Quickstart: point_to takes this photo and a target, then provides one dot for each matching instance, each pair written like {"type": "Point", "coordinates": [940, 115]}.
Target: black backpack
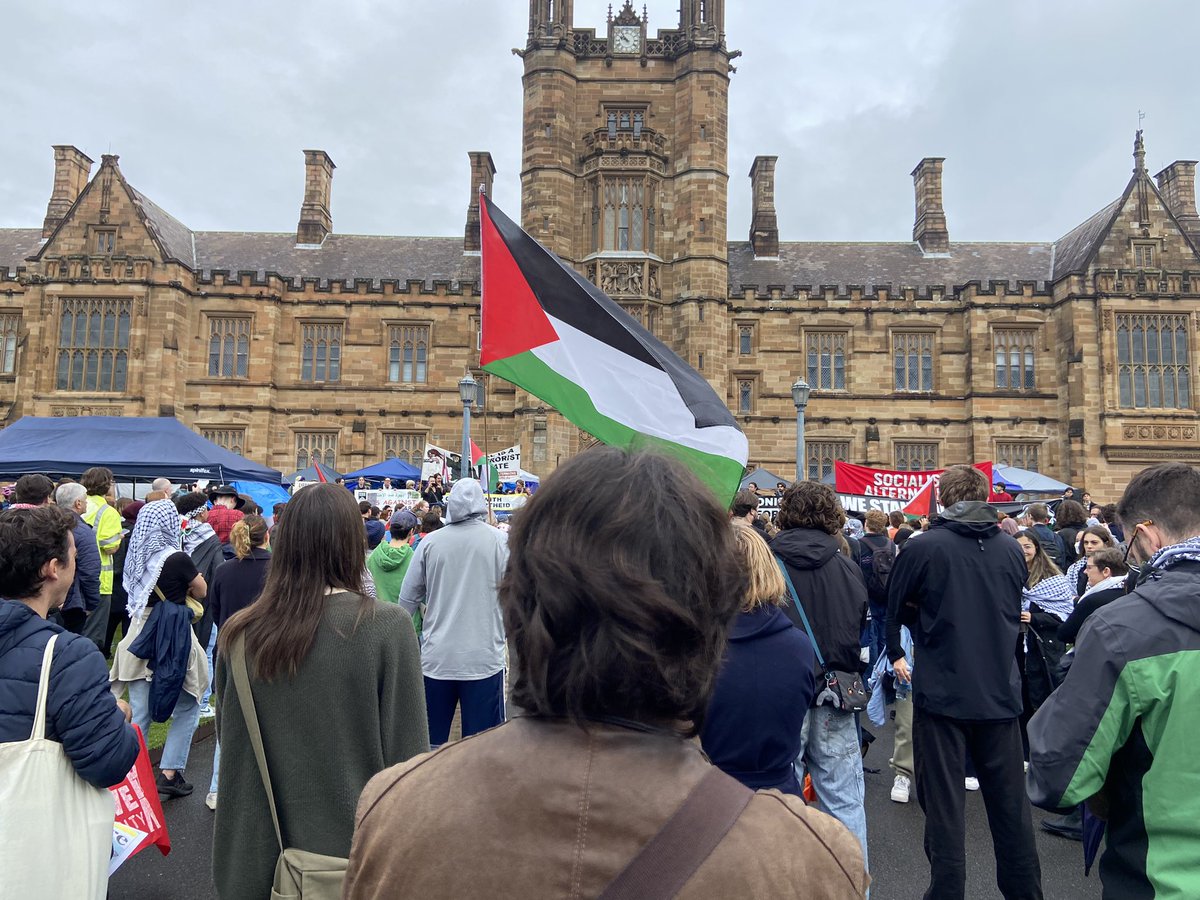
{"type": "Point", "coordinates": [1052, 544]}
{"type": "Point", "coordinates": [876, 564]}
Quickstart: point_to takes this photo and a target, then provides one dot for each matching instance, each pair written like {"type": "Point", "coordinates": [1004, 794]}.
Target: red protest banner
{"type": "Point", "coordinates": [854, 479]}
{"type": "Point", "coordinates": [138, 806]}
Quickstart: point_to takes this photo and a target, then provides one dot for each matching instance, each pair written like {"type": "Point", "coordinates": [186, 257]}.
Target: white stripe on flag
{"type": "Point", "coordinates": [634, 394]}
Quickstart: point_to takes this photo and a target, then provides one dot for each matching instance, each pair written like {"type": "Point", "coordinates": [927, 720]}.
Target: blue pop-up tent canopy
{"type": "Point", "coordinates": [396, 469]}
{"type": "Point", "coordinates": [131, 447]}
{"type": "Point", "coordinates": [265, 495]}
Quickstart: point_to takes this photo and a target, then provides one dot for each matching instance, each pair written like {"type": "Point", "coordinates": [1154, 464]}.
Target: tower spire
{"type": "Point", "coordinates": [550, 21]}
{"type": "Point", "coordinates": [1139, 172]}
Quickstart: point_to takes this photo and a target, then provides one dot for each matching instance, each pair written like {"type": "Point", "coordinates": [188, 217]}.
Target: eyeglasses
{"type": "Point", "coordinates": [1133, 537]}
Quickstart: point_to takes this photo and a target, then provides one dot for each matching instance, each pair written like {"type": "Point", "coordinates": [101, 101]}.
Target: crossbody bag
{"type": "Point", "coordinates": [299, 874]}
{"type": "Point", "coordinates": [842, 690]}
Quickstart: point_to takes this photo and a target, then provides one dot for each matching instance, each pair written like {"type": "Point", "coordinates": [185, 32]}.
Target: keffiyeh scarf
{"type": "Point", "coordinates": [1168, 556]}
{"type": "Point", "coordinates": [155, 537]}
{"type": "Point", "coordinates": [194, 534]}
{"type": "Point", "coordinates": [1056, 595]}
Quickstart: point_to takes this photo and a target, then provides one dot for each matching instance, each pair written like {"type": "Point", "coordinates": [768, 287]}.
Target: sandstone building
{"type": "Point", "coordinates": [1073, 357]}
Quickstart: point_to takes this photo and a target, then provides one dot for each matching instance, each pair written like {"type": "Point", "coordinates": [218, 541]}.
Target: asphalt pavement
{"type": "Point", "coordinates": [895, 833]}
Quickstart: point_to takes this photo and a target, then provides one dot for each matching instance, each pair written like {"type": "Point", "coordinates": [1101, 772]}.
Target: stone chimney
{"type": "Point", "coordinates": [930, 229]}
{"type": "Point", "coordinates": [315, 219]}
{"type": "Point", "coordinates": [482, 170]}
{"type": "Point", "coordinates": [1177, 184]}
{"type": "Point", "coordinates": [71, 172]}
{"type": "Point", "coordinates": [764, 228]}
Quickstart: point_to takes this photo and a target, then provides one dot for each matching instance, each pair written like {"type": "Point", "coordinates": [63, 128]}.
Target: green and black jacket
{"type": "Point", "coordinates": [1126, 724]}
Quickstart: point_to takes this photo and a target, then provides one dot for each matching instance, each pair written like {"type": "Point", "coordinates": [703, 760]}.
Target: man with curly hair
{"type": "Point", "coordinates": [831, 588]}
{"type": "Point", "coordinates": [617, 632]}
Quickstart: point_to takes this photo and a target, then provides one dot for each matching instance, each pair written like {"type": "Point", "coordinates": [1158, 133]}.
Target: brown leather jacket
{"type": "Point", "coordinates": [543, 809]}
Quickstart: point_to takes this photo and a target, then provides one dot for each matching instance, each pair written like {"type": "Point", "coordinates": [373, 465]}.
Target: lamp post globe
{"type": "Point", "coordinates": [467, 393]}
{"type": "Point", "coordinates": [800, 392]}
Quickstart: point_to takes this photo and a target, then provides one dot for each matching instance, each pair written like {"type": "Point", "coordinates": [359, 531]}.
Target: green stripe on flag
{"type": "Point", "coordinates": [525, 370]}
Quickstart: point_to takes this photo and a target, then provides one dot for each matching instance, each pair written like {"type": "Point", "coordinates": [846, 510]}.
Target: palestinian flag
{"type": "Point", "coordinates": [555, 334]}
{"type": "Point", "coordinates": [488, 477]}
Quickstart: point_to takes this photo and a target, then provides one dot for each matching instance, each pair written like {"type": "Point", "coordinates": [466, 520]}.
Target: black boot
{"type": "Point", "coordinates": [1069, 826]}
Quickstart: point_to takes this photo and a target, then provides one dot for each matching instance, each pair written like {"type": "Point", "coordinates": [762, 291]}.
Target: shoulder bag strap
{"type": "Point", "coordinates": [241, 684]}
{"type": "Point", "coordinates": [800, 607]}
{"type": "Point", "coordinates": [663, 866]}
{"type": "Point", "coordinates": [39, 715]}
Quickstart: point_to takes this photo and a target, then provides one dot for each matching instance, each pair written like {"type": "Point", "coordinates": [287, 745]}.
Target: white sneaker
{"type": "Point", "coordinates": [1027, 766]}
{"type": "Point", "coordinates": [207, 712]}
{"type": "Point", "coordinates": [972, 784]}
{"type": "Point", "coordinates": [900, 789]}
{"type": "Point", "coordinates": [211, 800]}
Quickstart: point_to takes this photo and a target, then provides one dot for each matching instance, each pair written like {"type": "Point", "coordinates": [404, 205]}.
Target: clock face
{"type": "Point", "coordinates": [627, 38]}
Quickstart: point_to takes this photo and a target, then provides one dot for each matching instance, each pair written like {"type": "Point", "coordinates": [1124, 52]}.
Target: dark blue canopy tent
{"type": "Point", "coordinates": [311, 476]}
{"type": "Point", "coordinates": [131, 447]}
{"type": "Point", "coordinates": [396, 469]}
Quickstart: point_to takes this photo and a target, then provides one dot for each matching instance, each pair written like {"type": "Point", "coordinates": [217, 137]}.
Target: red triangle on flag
{"type": "Point", "coordinates": [513, 320]}
{"type": "Point", "coordinates": [925, 503]}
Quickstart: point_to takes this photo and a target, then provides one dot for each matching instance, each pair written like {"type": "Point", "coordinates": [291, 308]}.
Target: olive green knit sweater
{"type": "Point", "coordinates": [355, 707]}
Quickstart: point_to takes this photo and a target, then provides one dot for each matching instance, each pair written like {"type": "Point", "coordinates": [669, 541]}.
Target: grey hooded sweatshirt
{"type": "Point", "coordinates": [455, 572]}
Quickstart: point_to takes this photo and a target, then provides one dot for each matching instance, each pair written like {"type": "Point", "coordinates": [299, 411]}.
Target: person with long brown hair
{"type": "Point", "coordinates": [336, 683]}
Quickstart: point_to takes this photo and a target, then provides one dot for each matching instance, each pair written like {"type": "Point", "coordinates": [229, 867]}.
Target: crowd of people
{"type": "Point", "coordinates": [683, 706]}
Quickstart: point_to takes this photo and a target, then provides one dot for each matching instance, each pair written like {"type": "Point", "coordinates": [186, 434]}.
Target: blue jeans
{"type": "Point", "coordinates": [212, 786]}
{"type": "Point", "coordinates": [184, 719]}
{"type": "Point", "coordinates": [210, 650]}
{"type": "Point", "coordinates": [831, 753]}
{"type": "Point", "coordinates": [877, 634]}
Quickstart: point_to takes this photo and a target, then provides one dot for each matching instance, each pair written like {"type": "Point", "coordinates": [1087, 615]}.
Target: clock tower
{"type": "Point", "coordinates": [625, 165]}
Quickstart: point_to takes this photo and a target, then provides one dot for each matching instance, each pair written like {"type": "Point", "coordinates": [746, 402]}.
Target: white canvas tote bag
{"type": "Point", "coordinates": [55, 828]}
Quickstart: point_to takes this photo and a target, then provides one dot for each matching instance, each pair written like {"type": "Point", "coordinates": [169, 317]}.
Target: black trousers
{"type": "Point", "coordinates": [940, 748]}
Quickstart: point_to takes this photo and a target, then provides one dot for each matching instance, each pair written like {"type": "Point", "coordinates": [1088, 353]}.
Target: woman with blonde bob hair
{"type": "Point", "coordinates": [766, 682]}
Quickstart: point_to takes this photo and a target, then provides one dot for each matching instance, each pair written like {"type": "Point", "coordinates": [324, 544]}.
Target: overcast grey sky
{"type": "Point", "coordinates": [1033, 103]}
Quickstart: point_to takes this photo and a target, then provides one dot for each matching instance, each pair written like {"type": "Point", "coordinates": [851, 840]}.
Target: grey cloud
{"type": "Point", "coordinates": [209, 105]}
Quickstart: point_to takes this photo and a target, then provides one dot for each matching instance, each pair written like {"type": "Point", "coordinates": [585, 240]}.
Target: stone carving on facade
{"type": "Point", "coordinates": [59, 412]}
{"type": "Point", "coordinates": [622, 279]}
{"type": "Point", "coordinates": [615, 161]}
{"type": "Point", "coordinates": [1159, 432]}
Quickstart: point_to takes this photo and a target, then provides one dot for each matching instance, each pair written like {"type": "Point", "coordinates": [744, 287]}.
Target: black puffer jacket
{"type": "Point", "coordinates": [832, 590]}
{"type": "Point", "coordinates": [958, 589]}
{"type": "Point", "coordinates": [80, 712]}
